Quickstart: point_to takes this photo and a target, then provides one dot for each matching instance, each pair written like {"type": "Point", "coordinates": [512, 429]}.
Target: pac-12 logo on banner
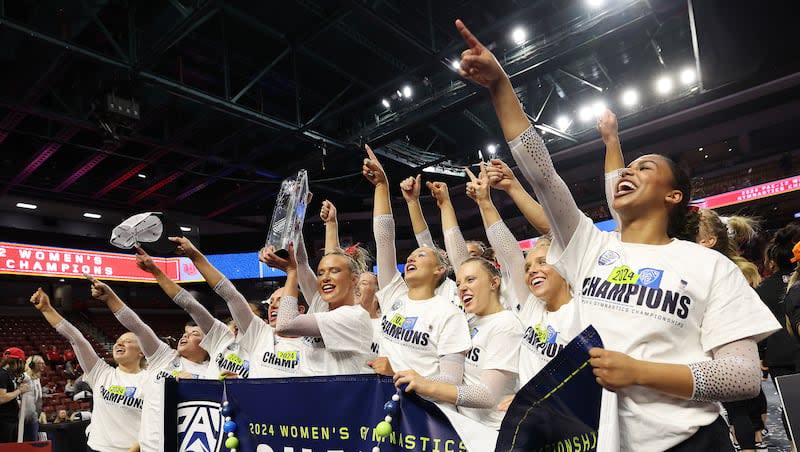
{"type": "Point", "coordinates": [199, 426]}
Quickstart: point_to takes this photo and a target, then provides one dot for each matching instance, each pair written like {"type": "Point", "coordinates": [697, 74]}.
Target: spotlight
{"type": "Point", "coordinates": [407, 91]}
{"type": "Point", "coordinates": [399, 94]}
{"type": "Point", "coordinates": [456, 64]}
{"type": "Point", "coordinates": [562, 122]}
{"type": "Point", "coordinates": [491, 148]}
{"type": "Point", "coordinates": [595, 3]}
{"type": "Point", "coordinates": [688, 76]}
{"type": "Point", "coordinates": [598, 108]}
{"type": "Point", "coordinates": [386, 103]}
{"type": "Point", "coordinates": [519, 36]}
{"type": "Point", "coordinates": [25, 205]}
{"type": "Point", "coordinates": [585, 113]}
{"type": "Point", "coordinates": [664, 85]}
{"type": "Point", "coordinates": [630, 97]}
{"type": "Point", "coordinates": [142, 176]}
{"type": "Point", "coordinates": [92, 215]}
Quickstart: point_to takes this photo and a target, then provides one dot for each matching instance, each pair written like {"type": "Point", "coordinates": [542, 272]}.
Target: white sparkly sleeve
{"type": "Point", "coordinates": [534, 162]}
{"type": "Point", "coordinates": [306, 277]}
{"type": "Point", "coordinates": [456, 247]}
{"type": "Point", "coordinates": [385, 252]}
{"type": "Point", "coordinates": [425, 238]}
{"type": "Point", "coordinates": [510, 257]}
{"type": "Point", "coordinates": [733, 374]}
{"type": "Point", "coordinates": [612, 178]}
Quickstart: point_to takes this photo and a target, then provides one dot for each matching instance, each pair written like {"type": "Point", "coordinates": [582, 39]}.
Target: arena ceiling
{"type": "Point", "coordinates": [233, 96]}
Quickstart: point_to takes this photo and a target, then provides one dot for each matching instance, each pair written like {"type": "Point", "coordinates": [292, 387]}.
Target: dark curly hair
{"type": "Point", "coordinates": [684, 222]}
{"type": "Point", "coordinates": [779, 249]}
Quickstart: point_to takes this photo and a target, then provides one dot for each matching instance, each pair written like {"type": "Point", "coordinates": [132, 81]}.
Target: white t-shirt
{"type": "Point", "coordinates": [672, 303]}
{"type": "Point", "coordinates": [118, 398]}
{"type": "Point", "coordinates": [375, 347]}
{"type": "Point", "coordinates": [415, 333]}
{"type": "Point", "coordinates": [164, 363]}
{"type": "Point", "coordinates": [344, 345]}
{"type": "Point", "coordinates": [546, 334]}
{"type": "Point", "coordinates": [495, 340]}
{"type": "Point", "coordinates": [449, 291]}
{"type": "Point", "coordinates": [225, 351]}
{"type": "Point", "coordinates": [273, 356]}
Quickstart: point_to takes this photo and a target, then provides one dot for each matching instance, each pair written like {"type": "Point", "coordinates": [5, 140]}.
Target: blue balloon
{"type": "Point", "coordinates": [229, 426]}
{"type": "Point", "coordinates": [226, 410]}
{"type": "Point", "coordinates": [391, 407]}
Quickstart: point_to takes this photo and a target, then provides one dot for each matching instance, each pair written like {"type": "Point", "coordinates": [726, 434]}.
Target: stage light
{"type": "Point", "coordinates": [185, 229]}
{"type": "Point", "coordinates": [399, 94]}
{"type": "Point", "coordinates": [688, 76]}
{"type": "Point", "coordinates": [386, 103]}
{"type": "Point", "coordinates": [664, 85]}
{"type": "Point", "coordinates": [562, 122]}
{"type": "Point", "coordinates": [456, 64]}
{"type": "Point", "coordinates": [407, 91]}
{"type": "Point", "coordinates": [630, 97]}
{"type": "Point", "coordinates": [585, 113]}
{"type": "Point", "coordinates": [519, 36]}
{"type": "Point", "coordinates": [92, 215]}
{"type": "Point", "coordinates": [24, 205]}
{"type": "Point", "coordinates": [491, 148]}
{"type": "Point", "coordinates": [142, 176]}
{"type": "Point", "coordinates": [598, 108]}
{"type": "Point", "coordinates": [595, 3]}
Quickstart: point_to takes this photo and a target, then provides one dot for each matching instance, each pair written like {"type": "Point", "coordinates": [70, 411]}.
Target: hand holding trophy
{"type": "Point", "coordinates": [289, 214]}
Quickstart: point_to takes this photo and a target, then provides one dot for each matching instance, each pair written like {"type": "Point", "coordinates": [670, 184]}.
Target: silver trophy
{"type": "Point", "coordinates": [289, 213]}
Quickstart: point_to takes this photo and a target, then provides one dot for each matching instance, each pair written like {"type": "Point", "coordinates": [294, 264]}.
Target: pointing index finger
{"type": "Point", "coordinates": [91, 278]}
{"type": "Point", "coordinates": [471, 40]}
{"type": "Point", "coordinates": [371, 154]}
{"type": "Point", "coordinates": [471, 176]}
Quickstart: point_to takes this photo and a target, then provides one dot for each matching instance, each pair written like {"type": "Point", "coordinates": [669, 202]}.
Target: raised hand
{"type": "Point", "coordinates": [185, 248]}
{"type": "Point", "coordinates": [275, 261]}
{"type": "Point", "coordinates": [500, 175]}
{"type": "Point", "coordinates": [439, 192]}
{"type": "Point", "coordinates": [40, 300]}
{"type": "Point", "coordinates": [478, 187]}
{"type": "Point", "coordinates": [607, 125]}
{"type": "Point", "coordinates": [328, 212]}
{"type": "Point", "coordinates": [372, 168]}
{"type": "Point", "coordinates": [478, 63]}
{"type": "Point", "coordinates": [100, 290]}
{"type": "Point", "coordinates": [410, 187]}
{"type": "Point", "coordinates": [145, 262]}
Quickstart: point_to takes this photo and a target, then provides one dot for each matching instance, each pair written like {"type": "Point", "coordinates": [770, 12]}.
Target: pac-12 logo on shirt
{"type": "Point", "coordinates": [608, 257]}
{"type": "Point", "coordinates": [199, 426]}
{"type": "Point", "coordinates": [650, 277]}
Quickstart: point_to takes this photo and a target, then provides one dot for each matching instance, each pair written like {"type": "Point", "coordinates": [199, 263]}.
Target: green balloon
{"type": "Point", "coordinates": [232, 442]}
{"type": "Point", "coordinates": [383, 429]}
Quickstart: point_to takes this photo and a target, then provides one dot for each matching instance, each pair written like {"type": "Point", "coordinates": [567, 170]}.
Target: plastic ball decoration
{"type": "Point", "coordinates": [232, 442]}
{"type": "Point", "coordinates": [384, 427]}
{"type": "Point", "coordinates": [229, 427]}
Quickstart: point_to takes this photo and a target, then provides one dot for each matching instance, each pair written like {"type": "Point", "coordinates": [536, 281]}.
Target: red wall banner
{"type": "Point", "coordinates": [765, 190]}
{"type": "Point", "coordinates": [35, 260]}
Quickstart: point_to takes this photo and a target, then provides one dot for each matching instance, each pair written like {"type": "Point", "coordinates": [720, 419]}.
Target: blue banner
{"type": "Point", "coordinates": [559, 408]}
{"type": "Point", "coordinates": [315, 414]}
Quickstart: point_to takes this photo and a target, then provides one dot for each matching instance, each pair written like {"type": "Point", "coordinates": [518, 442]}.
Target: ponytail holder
{"type": "Point", "coordinates": [352, 250]}
{"type": "Point", "coordinates": [694, 208]}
